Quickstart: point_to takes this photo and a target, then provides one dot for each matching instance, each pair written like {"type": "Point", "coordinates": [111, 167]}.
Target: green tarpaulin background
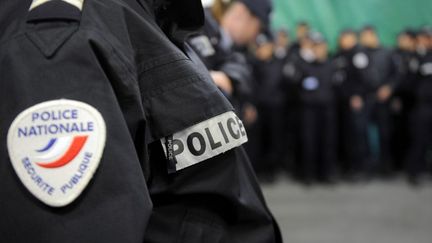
{"type": "Point", "coordinates": [331, 16]}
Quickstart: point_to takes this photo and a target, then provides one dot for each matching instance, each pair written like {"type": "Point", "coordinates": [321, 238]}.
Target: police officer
{"type": "Point", "coordinates": [243, 21]}
{"type": "Point", "coordinates": [296, 57]}
{"type": "Point", "coordinates": [229, 69]}
{"type": "Point", "coordinates": [269, 139]}
{"type": "Point", "coordinates": [239, 26]}
{"type": "Point", "coordinates": [297, 51]}
{"type": "Point", "coordinates": [317, 113]}
{"type": "Point", "coordinates": [403, 99]}
{"type": "Point", "coordinates": [302, 31]}
{"type": "Point", "coordinates": [282, 57]}
{"type": "Point", "coordinates": [349, 61]}
{"type": "Point", "coordinates": [111, 133]}
{"type": "Point", "coordinates": [379, 78]}
{"type": "Point", "coordinates": [421, 117]}
{"type": "Point", "coordinates": [282, 43]}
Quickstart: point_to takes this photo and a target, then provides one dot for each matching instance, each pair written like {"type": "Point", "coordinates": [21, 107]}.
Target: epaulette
{"type": "Point", "coordinates": [42, 10]}
{"type": "Point", "coordinates": [50, 23]}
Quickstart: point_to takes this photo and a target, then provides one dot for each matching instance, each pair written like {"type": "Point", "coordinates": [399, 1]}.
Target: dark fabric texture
{"type": "Point", "coordinates": [117, 58]}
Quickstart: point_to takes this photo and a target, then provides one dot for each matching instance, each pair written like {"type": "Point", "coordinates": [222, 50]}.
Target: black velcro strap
{"type": "Point", "coordinates": [54, 10]}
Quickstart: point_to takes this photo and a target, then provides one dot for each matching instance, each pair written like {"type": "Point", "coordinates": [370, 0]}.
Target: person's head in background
{"type": "Point", "coordinates": [369, 37]}
{"type": "Point", "coordinates": [218, 8]}
{"type": "Point", "coordinates": [428, 30]}
{"type": "Point", "coordinates": [406, 41]}
{"type": "Point", "coordinates": [422, 42]}
{"type": "Point", "coordinates": [264, 47]}
{"type": "Point", "coordinates": [319, 46]}
{"type": "Point", "coordinates": [282, 38]}
{"type": "Point", "coordinates": [306, 43]}
{"type": "Point", "coordinates": [282, 43]}
{"type": "Point", "coordinates": [302, 30]}
{"type": "Point", "coordinates": [245, 19]}
{"type": "Point", "coordinates": [347, 40]}
{"type": "Point", "coordinates": [307, 47]}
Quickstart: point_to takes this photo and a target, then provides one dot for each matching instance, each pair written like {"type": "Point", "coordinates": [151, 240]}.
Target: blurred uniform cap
{"type": "Point", "coordinates": [264, 38]}
{"type": "Point", "coordinates": [369, 27]}
{"type": "Point", "coordinates": [261, 9]}
{"type": "Point", "coordinates": [423, 32]}
{"type": "Point", "coordinates": [348, 32]}
{"type": "Point", "coordinates": [412, 33]}
{"type": "Point", "coordinates": [316, 37]}
{"type": "Point", "coordinates": [408, 32]}
{"type": "Point", "coordinates": [283, 30]}
{"type": "Point", "coordinates": [427, 30]}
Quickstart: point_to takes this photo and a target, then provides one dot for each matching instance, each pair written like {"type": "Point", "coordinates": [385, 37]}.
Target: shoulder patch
{"type": "Point", "coordinates": [289, 70]}
{"type": "Point", "coordinates": [77, 3]}
{"type": "Point", "coordinates": [310, 83]}
{"type": "Point", "coordinates": [361, 60]}
{"type": "Point", "coordinates": [426, 69]}
{"type": "Point", "coordinates": [414, 65]}
{"type": "Point", "coordinates": [55, 148]}
{"type": "Point", "coordinates": [204, 141]}
{"type": "Point", "coordinates": [203, 45]}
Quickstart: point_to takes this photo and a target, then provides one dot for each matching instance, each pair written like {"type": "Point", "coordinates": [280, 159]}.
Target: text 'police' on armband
{"type": "Point", "coordinates": [204, 141]}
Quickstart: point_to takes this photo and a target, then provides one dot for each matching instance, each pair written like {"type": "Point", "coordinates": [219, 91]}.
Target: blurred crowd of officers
{"type": "Point", "coordinates": [363, 112]}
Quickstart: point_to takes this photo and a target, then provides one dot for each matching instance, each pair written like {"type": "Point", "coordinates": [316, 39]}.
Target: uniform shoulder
{"type": "Point", "coordinates": [12, 16]}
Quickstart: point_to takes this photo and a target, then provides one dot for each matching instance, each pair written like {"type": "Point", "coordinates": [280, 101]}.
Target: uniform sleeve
{"type": "Point", "coordinates": [202, 185]}
{"type": "Point", "coordinates": [397, 70]}
{"type": "Point", "coordinates": [55, 60]}
{"type": "Point", "coordinates": [236, 67]}
{"type": "Point", "coordinates": [212, 48]}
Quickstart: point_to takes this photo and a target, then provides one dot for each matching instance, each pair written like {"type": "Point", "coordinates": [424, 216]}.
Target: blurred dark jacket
{"type": "Point", "coordinates": [215, 49]}
{"type": "Point", "coordinates": [268, 87]}
{"type": "Point", "coordinates": [347, 74]}
{"type": "Point", "coordinates": [407, 71]}
{"type": "Point", "coordinates": [315, 81]}
{"type": "Point", "coordinates": [423, 85]}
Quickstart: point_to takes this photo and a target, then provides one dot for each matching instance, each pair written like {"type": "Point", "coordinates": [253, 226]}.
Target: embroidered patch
{"type": "Point", "coordinates": [289, 70]}
{"type": "Point", "coordinates": [361, 60]}
{"type": "Point", "coordinates": [203, 45]}
{"type": "Point", "coordinates": [426, 69]}
{"type": "Point", "coordinates": [204, 141]}
{"type": "Point", "coordinates": [414, 65]}
{"type": "Point", "coordinates": [77, 3]}
{"type": "Point", "coordinates": [55, 148]}
{"type": "Point", "coordinates": [310, 83]}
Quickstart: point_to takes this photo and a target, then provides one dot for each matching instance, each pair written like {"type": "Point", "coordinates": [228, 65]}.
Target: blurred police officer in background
{"type": "Point", "coordinates": [154, 147]}
{"type": "Point", "coordinates": [282, 55]}
{"type": "Point", "coordinates": [349, 61]}
{"type": "Point", "coordinates": [379, 78]}
{"type": "Point", "coordinates": [229, 69]}
{"type": "Point", "coordinates": [282, 43]}
{"type": "Point", "coordinates": [299, 50]}
{"type": "Point", "coordinates": [421, 117]}
{"type": "Point", "coordinates": [403, 98]}
{"type": "Point", "coordinates": [244, 20]}
{"type": "Point", "coordinates": [313, 74]}
{"type": "Point", "coordinates": [268, 140]}
{"type": "Point", "coordinates": [240, 25]}
{"type": "Point", "coordinates": [302, 30]}
{"type": "Point", "coordinates": [347, 45]}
